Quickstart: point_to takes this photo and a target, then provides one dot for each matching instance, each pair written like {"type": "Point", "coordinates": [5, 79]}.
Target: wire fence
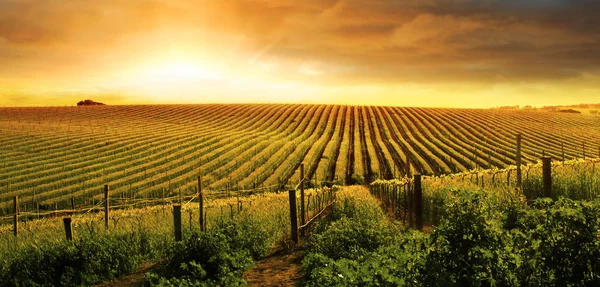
{"type": "Point", "coordinates": [32, 210]}
{"type": "Point", "coordinates": [575, 179]}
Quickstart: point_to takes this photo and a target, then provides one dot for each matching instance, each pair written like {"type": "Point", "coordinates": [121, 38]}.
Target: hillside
{"type": "Point", "coordinates": [52, 154]}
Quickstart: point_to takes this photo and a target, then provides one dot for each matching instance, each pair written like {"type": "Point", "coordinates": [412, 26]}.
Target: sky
{"type": "Point", "coordinates": [428, 53]}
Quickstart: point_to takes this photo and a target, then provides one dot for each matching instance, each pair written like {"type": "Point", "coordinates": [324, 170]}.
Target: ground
{"type": "Point", "coordinates": [134, 279]}
{"type": "Point", "coordinates": [281, 268]}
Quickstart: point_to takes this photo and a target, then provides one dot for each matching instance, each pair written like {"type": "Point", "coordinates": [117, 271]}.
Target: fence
{"type": "Point", "coordinates": [404, 198]}
{"type": "Point", "coordinates": [121, 202]}
{"type": "Point", "coordinates": [314, 203]}
{"type": "Point", "coordinates": [413, 200]}
{"type": "Point", "coordinates": [322, 201]}
{"type": "Point", "coordinates": [122, 195]}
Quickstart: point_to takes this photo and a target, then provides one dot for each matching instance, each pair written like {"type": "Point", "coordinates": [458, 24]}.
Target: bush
{"type": "Point", "coordinates": [81, 262]}
{"type": "Point", "coordinates": [355, 179]}
{"type": "Point", "coordinates": [559, 243]}
{"type": "Point", "coordinates": [348, 238]}
{"type": "Point", "coordinates": [345, 249]}
{"type": "Point", "coordinates": [470, 248]}
{"type": "Point", "coordinates": [397, 264]}
{"type": "Point", "coordinates": [89, 103]}
{"type": "Point", "coordinates": [480, 241]}
{"type": "Point", "coordinates": [218, 256]}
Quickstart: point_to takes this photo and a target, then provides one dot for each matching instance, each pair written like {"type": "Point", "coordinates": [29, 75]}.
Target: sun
{"type": "Point", "coordinates": [169, 75]}
{"type": "Point", "coordinates": [177, 72]}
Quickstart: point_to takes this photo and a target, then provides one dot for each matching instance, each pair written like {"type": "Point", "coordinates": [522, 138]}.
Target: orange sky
{"type": "Point", "coordinates": [463, 53]}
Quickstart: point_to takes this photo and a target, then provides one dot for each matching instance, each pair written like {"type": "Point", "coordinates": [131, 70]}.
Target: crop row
{"type": "Point", "coordinates": [50, 155]}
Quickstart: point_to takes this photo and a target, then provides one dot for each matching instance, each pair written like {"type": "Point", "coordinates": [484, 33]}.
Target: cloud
{"type": "Point", "coordinates": [353, 41]}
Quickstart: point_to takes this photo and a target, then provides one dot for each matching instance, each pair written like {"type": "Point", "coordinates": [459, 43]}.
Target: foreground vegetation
{"type": "Point", "coordinates": [480, 237]}
{"type": "Point", "coordinates": [51, 155]}
{"type": "Point", "coordinates": [218, 256]}
{"type": "Point", "coordinates": [481, 240]}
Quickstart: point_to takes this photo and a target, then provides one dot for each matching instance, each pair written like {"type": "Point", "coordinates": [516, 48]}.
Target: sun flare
{"type": "Point", "coordinates": [175, 73]}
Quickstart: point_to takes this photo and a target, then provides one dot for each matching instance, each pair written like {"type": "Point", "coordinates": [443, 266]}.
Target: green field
{"type": "Point", "coordinates": [52, 154]}
{"type": "Point", "coordinates": [481, 227]}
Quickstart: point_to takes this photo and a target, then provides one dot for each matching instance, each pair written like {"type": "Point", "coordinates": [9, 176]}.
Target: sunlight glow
{"type": "Point", "coordinates": [176, 73]}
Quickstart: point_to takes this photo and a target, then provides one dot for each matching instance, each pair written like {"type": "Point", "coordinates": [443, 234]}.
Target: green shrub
{"type": "Point", "coordinates": [344, 250]}
{"type": "Point", "coordinates": [482, 240]}
{"type": "Point", "coordinates": [469, 247]}
{"type": "Point", "coordinates": [347, 238]}
{"type": "Point", "coordinates": [559, 243]}
{"type": "Point", "coordinates": [357, 208]}
{"type": "Point", "coordinates": [81, 262]}
{"type": "Point", "coordinates": [218, 256]}
{"type": "Point", "coordinates": [400, 264]}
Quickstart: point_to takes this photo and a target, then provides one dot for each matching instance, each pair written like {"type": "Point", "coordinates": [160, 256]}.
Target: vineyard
{"type": "Point", "coordinates": [56, 157]}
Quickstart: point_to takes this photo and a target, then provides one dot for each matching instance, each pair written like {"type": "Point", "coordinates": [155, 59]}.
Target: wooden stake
{"type": "Point", "coordinates": [547, 175]}
{"type": "Point", "coordinates": [518, 162]}
{"type": "Point", "coordinates": [418, 202]}
{"type": "Point", "coordinates": [177, 221]}
{"type": "Point", "coordinates": [293, 215]}
{"type": "Point", "coordinates": [302, 211]}
{"type": "Point", "coordinates": [16, 216]}
{"type": "Point", "coordinates": [106, 206]}
{"type": "Point", "coordinates": [201, 204]}
{"type": "Point", "coordinates": [68, 229]}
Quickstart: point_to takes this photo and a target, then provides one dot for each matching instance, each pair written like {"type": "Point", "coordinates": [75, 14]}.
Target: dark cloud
{"type": "Point", "coordinates": [365, 31]}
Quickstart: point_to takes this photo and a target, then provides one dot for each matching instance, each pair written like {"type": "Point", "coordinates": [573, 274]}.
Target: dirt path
{"type": "Point", "coordinates": [134, 279]}
{"type": "Point", "coordinates": [281, 268]}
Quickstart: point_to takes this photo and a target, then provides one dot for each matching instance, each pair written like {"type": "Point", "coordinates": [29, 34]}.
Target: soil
{"type": "Point", "coordinates": [281, 268]}
{"type": "Point", "coordinates": [134, 279]}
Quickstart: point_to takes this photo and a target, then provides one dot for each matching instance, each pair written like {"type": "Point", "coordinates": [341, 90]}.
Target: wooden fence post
{"type": "Point", "coordinates": [405, 215]}
{"type": "Point", "coordinates": [72, 203]}
{"type": "Point", "coordinates": [547, 175]}
{"type": "Point", "coordinates": [16, 216]}
{"type": "Point", "coordinates": [518, 162]}
{"type": "Point", "coordinates": [177, 221]}
{"type": "Point", "coordinates": [293, 215]}
{"type": "Point", "coordinates": [201, 207]}
{"type": "Point", "coordinates": [562, 151]}
{"type": "Point", "coordinates": [583, 148]}
{"type": "Point", "coordinates": [410, 204]}
{"type": "Point", "coordinates": [418, 202]}
{"type": "Point", "coordinates": [68, 230]}
{"type": "Point", "coordinates": [302, 211]}
{"type": "Point", "coordinates": [106, 206]}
